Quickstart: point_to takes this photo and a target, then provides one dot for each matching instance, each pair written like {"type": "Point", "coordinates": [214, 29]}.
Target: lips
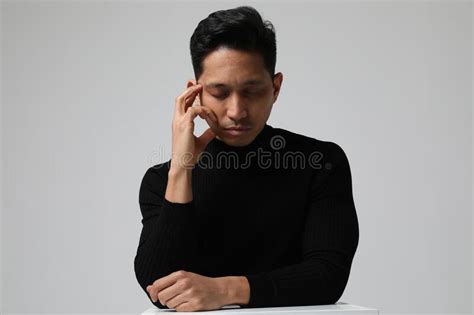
{"type": "Point", "coordinates": [242, 128]}
{"type": "Point", "coordinates": [236, 131]}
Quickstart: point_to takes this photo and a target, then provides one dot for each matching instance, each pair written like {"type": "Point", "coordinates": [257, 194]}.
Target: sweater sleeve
{"type": "Point", "coordinates": [167, 241]}
{"type": "Point", "coordinates": [330, 239]}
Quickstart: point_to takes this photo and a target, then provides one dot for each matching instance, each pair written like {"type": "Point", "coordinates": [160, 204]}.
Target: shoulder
{"type": "Point", "coordinates": [156, 174]}
{"type": "Point", "coordinates": [307, 144]}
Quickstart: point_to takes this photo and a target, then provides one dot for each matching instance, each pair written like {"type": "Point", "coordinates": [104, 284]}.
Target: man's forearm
{"type": "Point", "coordinates": [237, 290]}
{"type": "Point", "coordinates": [179, 187]}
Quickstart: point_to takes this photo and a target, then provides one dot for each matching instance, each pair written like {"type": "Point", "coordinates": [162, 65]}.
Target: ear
{"type": "Point", "coordinates": [197, 100]}
{"type": "Point", "coordinates": [277, 81]}
{"type": "Point", "coordinates": [190, 82]}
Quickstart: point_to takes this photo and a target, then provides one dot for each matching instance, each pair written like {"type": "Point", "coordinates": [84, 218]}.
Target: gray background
{"type": "Point", "coordinates": [88, 93]}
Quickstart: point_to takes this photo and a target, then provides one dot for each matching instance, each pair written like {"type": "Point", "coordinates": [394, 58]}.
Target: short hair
{"type": "Point", "coordinates": [241, 28]}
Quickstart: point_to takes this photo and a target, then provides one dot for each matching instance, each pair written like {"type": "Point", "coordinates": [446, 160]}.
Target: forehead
{"type": "Point", "coordinates": [226, 67]}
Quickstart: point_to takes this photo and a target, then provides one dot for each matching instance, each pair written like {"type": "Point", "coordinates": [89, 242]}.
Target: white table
{"type": "Point", "coordinates": [340, 308]}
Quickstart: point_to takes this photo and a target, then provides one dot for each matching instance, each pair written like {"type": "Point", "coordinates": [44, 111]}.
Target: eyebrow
{"type": "Point", "coordinates": [246, 83]}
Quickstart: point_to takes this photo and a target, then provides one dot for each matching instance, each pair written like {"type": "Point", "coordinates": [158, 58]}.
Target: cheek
{"type": "Point", "coordinates": [213, 104]}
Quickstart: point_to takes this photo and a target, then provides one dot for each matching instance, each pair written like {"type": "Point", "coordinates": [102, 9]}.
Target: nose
{"type": "Point", "coordinates": [236, 109]}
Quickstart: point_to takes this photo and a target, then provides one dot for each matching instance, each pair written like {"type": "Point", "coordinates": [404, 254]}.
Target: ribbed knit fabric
{"type": "Point", "coordinates": [278, 211]}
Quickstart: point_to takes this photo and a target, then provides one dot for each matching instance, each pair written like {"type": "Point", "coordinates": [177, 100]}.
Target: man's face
{"type": "Point", "coordinates": [240, 91]}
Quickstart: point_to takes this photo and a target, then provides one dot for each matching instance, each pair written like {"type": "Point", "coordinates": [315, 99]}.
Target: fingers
{"type": "Point", "coordinates": [184, 107]}
{"type": "Point", "coordinates": [175, 300]}
{"type": "Point", "coordinates": [152, 292]}
{"type": "Point", "coordinates": [185, 307]}
{"type": "Point", "coordinates": [203, 112]}
{"type": "Point", "coordinates": [163, 283]}
{"type": "Point", "coordinates": [186, 99]}
{"type": "Point", "coordinates": [169, 296]}
{"type": "Point", "coordinates": [159, 285]}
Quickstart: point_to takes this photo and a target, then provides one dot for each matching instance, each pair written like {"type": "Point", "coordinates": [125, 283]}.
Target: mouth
{"type": "Point", "coordinates": [237, 131]}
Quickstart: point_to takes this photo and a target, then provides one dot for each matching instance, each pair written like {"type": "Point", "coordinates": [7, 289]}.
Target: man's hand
{"type": "Point", "coordinates": [187, 292]}
{"type": "Point", "coordinates": [186, 146]}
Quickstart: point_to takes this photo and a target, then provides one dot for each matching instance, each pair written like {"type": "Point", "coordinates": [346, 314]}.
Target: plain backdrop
{"type": "Point", "coordinates": [88, 90]}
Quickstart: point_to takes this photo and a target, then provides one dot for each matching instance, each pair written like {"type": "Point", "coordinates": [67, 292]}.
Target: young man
{"type": "Point", "coordinates": [246, 213]}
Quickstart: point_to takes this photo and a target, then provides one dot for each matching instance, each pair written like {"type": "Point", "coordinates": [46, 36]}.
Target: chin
{"type": "Point", "coordinates": [236, 141]}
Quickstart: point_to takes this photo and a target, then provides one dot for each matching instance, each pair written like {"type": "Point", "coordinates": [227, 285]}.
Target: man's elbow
{"type": "Point", "coordinates": [337, 285]}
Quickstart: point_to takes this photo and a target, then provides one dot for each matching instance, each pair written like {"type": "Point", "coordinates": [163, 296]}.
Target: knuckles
{"type": "Point", "coordinates": [181, 273]}
{"type": "Point", "coordinates": [185, 282]}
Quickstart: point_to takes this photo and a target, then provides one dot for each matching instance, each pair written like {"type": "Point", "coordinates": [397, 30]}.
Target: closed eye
{"type": "Point", "coordinates": [220, 97]}
{"type": "Point", "coordinates": [245, 93]}
{"type": "Point", "coordinates": [250, 93]}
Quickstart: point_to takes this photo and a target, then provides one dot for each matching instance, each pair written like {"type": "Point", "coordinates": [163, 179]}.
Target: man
{"type": "Point", "coordinates": [245, 214]}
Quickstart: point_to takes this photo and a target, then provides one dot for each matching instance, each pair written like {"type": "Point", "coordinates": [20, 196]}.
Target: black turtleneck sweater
{"type": "Point", "coordinates": [278, 211]}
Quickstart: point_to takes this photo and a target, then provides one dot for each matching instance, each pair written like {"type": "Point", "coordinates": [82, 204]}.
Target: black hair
{"type": "Point", "coordinates": [241, 28]}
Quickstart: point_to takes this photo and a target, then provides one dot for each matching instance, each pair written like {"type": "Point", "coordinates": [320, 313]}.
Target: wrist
{"type": "Point", "coordinates": [236, 290]}
{"type": "Point", "coordinates": [176, 172]}
{"type": "Point", "coordinates": [179, 186]}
